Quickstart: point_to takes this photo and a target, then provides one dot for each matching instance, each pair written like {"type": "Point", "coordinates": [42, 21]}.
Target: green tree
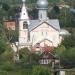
{"type": "Point", "coordinates": [8, 55]}
{"type": "Point", "coordinates": [67, 58]}
{"type": "Point", "coordinates": [12, 35]}
{"type": "Point", "coordinates": [69, 42]}
{"type": "Point", "coordinates": [5, 6]}
{"type": "Point", "coordinates": [3, 40]}
{"type": "Point", "coordinates": [24, 55]}
{"type": "Point", "coordinates": [54, 12]}
{"type": "Point", "coordinates": [34, 58]}
{"type": "Point", "coordinates": [28, 57]}
{"type": "Point", "coordinates": [59, 50]}
{"type": "Point", "coordinates": [40, 70]}
{"type": "Point", "coordinates": [3, 72]}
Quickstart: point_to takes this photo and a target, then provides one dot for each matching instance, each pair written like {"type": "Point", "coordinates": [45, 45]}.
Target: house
{"type": "Point", "coordinates": [10, 24]}
{"type": "Point", "coordinates": [47, 58]}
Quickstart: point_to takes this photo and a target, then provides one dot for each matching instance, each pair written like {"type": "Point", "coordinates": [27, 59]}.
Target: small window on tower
{"type": "Point", "coordinates": [24, 13]}
{"type": "Point", "coordinates": [25, 25]}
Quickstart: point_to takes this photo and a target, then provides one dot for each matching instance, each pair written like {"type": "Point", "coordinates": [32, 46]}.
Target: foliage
{"type": "Point", "coordinates": [9, 68]}
{"type": "Point", "coordinates": [2, 46]}
{"type": "Point", "coordinates": [24, 55]}
{"type": "Point", "coordinates": [8, 55]}
{"type": "Point", "coordinates": [69, 42]}
{"type": "Point", "coordinates": [66, 52]}
{"type": "Point", "coordinates": [64, 16]}
{"type": "Point", "coordinates": [59, 50]}
{"type": "Point", "coordinates": [34, 13]}
{"type": "Point", "coordinates": [13, 12]}
{"type": "Point", "coordinates": [28, 57]}
{"type": "Point", "coordinates": [54, 12]}
{"type": "Point", "coordinates": [34, 58]}
{"type": "Point", "coordinates": [67, 58]}
{"type": "Point", "coordinates": [3, 40]}
{"type": "Point", "coordinates": [12, 35]}
{"type": "Point", "coordinates": [3, 72]}
{"type": "Point", "coordinates": [56, 9]}
{"type": "Point", "coordinates": [40, 70]}
{"type": "Point", "coordinates": [5, 6]}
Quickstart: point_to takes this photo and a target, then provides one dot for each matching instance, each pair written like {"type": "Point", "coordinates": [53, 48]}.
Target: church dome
{"type": "Point", "coordinates": [42, 4]}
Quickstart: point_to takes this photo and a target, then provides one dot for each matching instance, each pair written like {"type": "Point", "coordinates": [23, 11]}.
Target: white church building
{"type": "Point", "coordinates": [41, 32]}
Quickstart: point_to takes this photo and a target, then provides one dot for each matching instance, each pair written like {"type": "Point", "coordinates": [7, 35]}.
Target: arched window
{"type": "Point", "coordinates": [25, 25]}
{"type": "Point", "coordinates": [37, 45]}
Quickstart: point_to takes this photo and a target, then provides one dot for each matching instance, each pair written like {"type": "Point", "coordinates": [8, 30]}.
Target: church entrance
{"type": "Point", "coordinates": [44, 45]}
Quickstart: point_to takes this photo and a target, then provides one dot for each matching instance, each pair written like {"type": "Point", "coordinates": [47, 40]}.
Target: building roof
{"type": "Point", "coordinates": [48, 55]}
{"type": "Point", "coordinates": [52, 22]}
{"type": "Point", "coordinates": [64, 32]}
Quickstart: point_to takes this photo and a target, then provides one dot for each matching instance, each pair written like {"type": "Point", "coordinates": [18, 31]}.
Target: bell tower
{"type": "Point", "coordinates": [23, 25]}
{"type": "Point", "coordinates": [42, 6]}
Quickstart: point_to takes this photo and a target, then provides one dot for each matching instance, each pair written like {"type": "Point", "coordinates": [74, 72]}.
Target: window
{"type": "Point", "coordinates": [37, 45]}
{"type": "Point", "coordinates": [25, 25]}
{"type": "Point", "coordinates": [46, 33]}
{"type": "Point", "coordinates": [24, 13]}
{"type": "Point", "coordinates": [42, 33]}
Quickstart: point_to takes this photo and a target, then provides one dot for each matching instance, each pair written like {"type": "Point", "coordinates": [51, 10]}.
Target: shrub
{"type": "Point", "coordinates": [40, 70]}
{"type": "Point", "coordinates": [3, 72]}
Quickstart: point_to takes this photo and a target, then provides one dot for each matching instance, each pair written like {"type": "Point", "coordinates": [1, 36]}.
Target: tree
{"type": "Point", "coordinates": [3, 40]}
{"type": "Point", "coordinates": [5, 6]}
{"type": "Point", "coordinates": [66, 53]}
{"type": "Point", "coordinates": [40, 70]}
{"type": "Point", "coordinates": [4, 10]}
{"type": "Point", "coordinates": [67, 58]}
{"type": "Point", "coordinates": [56, 9]}
{"type": "Point", "coordinates": [34, 58]}
{"type": "Point", "coordinates": [24, 55]}
{"type": "Point", "coordinates": [13, 12]}
{"type": "Point", "coordinates": [3, 72]}
{"type": "Point", "coordinates": [28, 57]}
{"type": "Point", "coordinates": [34, 13]}
{"type": "Point", "coordinates": [59, 50]}
{"type": "Point", "coordinates": [12, 35]}
{"type": "Point", "coordinates": [8, 55]}
{"type": "Point", "coordinates": [54, 12]}
{"type": "Point", "coordinates": [69, 42]}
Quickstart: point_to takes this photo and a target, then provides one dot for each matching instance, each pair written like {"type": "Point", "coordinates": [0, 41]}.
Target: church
{"type": "Point", "coordinates": [39, 33]}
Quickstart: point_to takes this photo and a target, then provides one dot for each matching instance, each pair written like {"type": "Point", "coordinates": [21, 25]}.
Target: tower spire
{"type": "Point", "coordinates": [23, 2]}
{"type": "Point", "coordinates": [24, 13]}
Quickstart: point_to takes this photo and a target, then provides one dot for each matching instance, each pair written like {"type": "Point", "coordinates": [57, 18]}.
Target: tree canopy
{"type": "Point", "coordinates": [3, 40]}
{"type": "Point", "coordinates": [40, 70]}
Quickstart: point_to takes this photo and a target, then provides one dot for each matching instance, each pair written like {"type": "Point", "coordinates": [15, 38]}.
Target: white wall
{"type": "Point", "coordinates": [23, 33]}
{"type": "Point", "coordinates": [44, 31]}
{"type": "Point", "coordinates": [62, 73]}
